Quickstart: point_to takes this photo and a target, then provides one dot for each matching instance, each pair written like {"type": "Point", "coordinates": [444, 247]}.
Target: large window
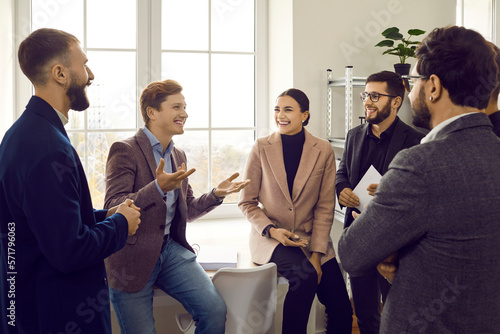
{"type": "Point", "coordinates": [478, 15]}
{"type": "Point", "coordinates": [209, 46]}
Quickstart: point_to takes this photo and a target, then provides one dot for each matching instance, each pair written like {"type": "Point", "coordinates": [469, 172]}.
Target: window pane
{"type": "Point", "coordinates": [97, 153]}
{"type": "Point", "coordinates": [76, 119]}
{"type": "Point", "coordinates": [229, 153]}
{"type": "Point", "coordinates": [112, 95]}
{"type": "Point", "coordinates": [233, 26]}
{"type": "Point", "coordinates": [232, 90]}
{"type": "Point", "coordinates": [478, 16]}
{"type": "Point", "coordinates": [184, 25]}
{"type": "Point", "coordinates": [111, 24]}
{"type": "Point", "coordinates": [195, 144]}
{"type": "Point", "coordinates": [191, 71]}
{"type": "Point", "coordinates": [78, 141]}
{"type": "Point", "coordinates": [63, 15]}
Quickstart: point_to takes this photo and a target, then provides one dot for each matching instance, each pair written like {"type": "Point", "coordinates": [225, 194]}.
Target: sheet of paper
{"type": "Point", "coordinates": [371, 176]}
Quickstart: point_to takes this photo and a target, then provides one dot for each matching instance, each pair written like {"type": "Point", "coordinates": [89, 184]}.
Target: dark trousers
{"type": "Point", "coordinates": [366, 292]}
{"type": "Point", "coordinates": [303, 285]}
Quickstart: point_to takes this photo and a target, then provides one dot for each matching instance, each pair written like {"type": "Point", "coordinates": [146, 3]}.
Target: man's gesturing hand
{"type": "Point", "coordinates": [227, 186]}
{"type": "Point", "coordinates": [169, 182]}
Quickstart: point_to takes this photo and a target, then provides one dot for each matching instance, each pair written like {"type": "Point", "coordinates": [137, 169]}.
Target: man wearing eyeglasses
{"type": "Point", "coordinates": [374, 143]}
{"type": "Point", "coordinates": [437, 205]}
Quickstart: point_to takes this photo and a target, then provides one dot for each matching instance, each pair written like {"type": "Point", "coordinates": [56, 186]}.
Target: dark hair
{"type": "Point", "coordinates": [464, 63]}
{"type": "Point", "coordinates": [496, 90]}
{"type": "Point", "coordinates": [42, 47]}
{"type": "Point", "coordinates": [301, 98]}
{"type": "Point", "coordinates": [394, 83]}
{"type": "Point", "coordinates": [155, 94]}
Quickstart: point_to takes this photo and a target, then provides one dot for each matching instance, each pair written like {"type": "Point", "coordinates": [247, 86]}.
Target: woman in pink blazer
{"type": "Point", "coordinates": [290, 204]}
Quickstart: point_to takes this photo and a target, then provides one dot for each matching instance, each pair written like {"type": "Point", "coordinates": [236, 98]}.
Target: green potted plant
{"type": "Point", "coordinates": [404, 49]}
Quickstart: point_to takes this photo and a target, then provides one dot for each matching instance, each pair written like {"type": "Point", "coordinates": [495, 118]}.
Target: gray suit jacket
{"type": "Point", "coordinates": [438, 206]}
{"type": "Point", "coordinates": [130, 173]}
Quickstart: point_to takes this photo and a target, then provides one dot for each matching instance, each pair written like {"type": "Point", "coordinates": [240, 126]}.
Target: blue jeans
{"type": "Point", "coordinates": [179, 275]}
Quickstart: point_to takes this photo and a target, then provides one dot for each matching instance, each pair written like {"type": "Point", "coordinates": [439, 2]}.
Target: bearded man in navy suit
{"type": "Point", "coordinates": [53, 243]}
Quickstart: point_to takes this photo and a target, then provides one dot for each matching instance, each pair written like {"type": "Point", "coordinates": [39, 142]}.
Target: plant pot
{"type": "Point", "coordinates": [402, 69]}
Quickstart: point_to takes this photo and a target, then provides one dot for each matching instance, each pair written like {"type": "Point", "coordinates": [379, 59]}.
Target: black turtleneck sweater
{"type": "Point", "coordinates": [292, 152]}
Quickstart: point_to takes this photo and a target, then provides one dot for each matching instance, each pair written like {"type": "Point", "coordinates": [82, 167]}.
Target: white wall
{"type": "Point", "coordinates": [336, 33]}
{"type": "Point", "coordinates": [280, 59]}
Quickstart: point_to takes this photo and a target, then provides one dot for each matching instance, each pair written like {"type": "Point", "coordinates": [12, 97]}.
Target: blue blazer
{"type": "Point", "coordinates": [53, 243]}
{"type": "Point", "coordinates": [404, 136]}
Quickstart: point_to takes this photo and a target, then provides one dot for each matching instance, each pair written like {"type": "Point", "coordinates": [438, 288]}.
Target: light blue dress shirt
{"type": "Point", "coordinates": [171, 195]}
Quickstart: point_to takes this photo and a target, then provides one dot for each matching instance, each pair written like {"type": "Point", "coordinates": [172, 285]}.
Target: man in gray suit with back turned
{"type": "Point", "coordinates": [437, 206]}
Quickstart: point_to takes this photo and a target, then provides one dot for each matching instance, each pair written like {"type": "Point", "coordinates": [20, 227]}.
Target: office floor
{"type": "Point", "coordinates": [355, 329]}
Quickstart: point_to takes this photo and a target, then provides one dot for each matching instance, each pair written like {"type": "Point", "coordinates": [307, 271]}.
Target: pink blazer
{"type": "Point", "coordinates": [266, 200]}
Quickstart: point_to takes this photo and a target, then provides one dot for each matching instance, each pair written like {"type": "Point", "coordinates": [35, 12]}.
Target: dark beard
{"type": "Point", "coordinates": [77, 96]}
{"type": "Point", "coordinates": [382, 114]}
{"type": "Point", "coordinates": [421, 116]}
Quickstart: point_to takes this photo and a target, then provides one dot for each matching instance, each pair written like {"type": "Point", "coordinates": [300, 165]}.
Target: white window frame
{"type": "Point", "coordinates": [494, 8]}
{"type": "Point", "coordinates": [149, 53]}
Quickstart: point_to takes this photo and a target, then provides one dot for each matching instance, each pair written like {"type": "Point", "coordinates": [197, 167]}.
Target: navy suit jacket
{"type": "Point", "coordinates": [404, 136]}
{"type": "Point", "coordinates": [52, 241]}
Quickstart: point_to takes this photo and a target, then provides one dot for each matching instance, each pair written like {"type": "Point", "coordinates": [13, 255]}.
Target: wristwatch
{"type": "Point", "coordinates": [265, 232]}
{"type": "Point", "coordinates": [217, 198]}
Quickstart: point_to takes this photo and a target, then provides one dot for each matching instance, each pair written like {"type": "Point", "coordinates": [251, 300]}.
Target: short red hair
{"type": "Point", "coordinates": [155, 94]}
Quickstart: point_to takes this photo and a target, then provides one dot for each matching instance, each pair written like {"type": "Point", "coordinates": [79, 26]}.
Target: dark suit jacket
{"type": "Point", "coordinates": [57, 245]}
{"type": "Point", "coordinates": [438, 206]}
{"type": "Point", "coordinates": [495, 120]}
{"type": "Point", "coordinates": [131, 173]}
{"type": "Point", "coordinates": [404, 136]}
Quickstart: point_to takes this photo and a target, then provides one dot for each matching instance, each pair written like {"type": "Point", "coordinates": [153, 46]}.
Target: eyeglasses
{"type": "Point", "coordinates": [409, 80]}
{"type": "Point", "coordinates": [373, 96]}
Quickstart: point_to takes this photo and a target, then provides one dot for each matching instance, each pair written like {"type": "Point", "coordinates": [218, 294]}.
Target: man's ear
{"type": "Point", "coordinates": [434, 87]}
{"type": "Point", "coordinates": [151, 112]}
{"type": "Point", "coordinates": [58, 73]}
{"type": "Point", "coordinates": [397, 101]}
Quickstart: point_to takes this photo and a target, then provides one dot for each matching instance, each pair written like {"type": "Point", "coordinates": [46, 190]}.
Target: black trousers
{"type": "Point", "coordinates": [366, 292]}
{"type": "Point", "coordinates": [292, 263]}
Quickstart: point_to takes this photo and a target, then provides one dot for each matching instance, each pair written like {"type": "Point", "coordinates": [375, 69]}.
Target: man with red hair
{"type": "Point", "coordinates": [149, 169]}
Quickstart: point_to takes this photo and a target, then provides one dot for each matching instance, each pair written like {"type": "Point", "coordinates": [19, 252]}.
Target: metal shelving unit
{"type": "Point", "coordinates": [349, 82]}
